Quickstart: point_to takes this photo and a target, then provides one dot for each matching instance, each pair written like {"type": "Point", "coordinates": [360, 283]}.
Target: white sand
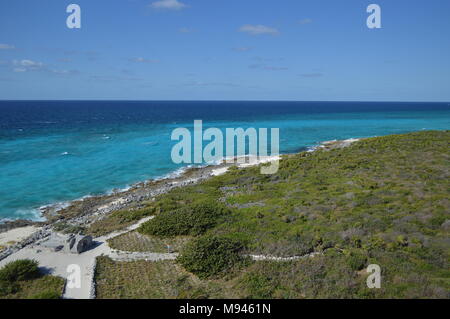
{"type": "Point", "coordinates": [219, 171]}
{"type": "Point", "coordinates": [251, 161]}
{"type": "Point", "coordinates": [16, 235]}
{"type": "Point", "coordinates": [260, 160]}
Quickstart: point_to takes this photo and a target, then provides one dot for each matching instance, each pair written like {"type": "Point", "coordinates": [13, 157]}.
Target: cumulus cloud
{"type": "Point", "coordinates": [143, 60]}
{"type": "Point", "coordinates": [26, 65]}
{"type": "Point", "coordinates": [168, 5]}
{"type": "Point", "coordinates": [4, 46]}
{"type": "Point", "coordinates": [258, 29]}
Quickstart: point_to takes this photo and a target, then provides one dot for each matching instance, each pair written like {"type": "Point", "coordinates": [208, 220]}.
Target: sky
{"type": "Point", "coordinates": [304, 50]}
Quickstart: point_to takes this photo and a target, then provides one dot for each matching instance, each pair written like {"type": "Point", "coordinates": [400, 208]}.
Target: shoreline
{"type": "Point", "coordinates": [89, 209]}
{"type": "Point", "coordinates": [50, 210]}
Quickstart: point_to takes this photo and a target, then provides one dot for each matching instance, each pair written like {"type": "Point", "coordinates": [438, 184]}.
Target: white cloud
{"type": "Point", "coordinates": [4, 46]}
{"type": "Point", "coordinates": [258, 29]}
{"type": "Point", "coordinates": [168, 4]}
{"type": "Point", "coordinates": [26, 65]}
{"type": "Point", "coordinates": [64, 72]}
{"type": "Point", "coordinates": [29, 63]}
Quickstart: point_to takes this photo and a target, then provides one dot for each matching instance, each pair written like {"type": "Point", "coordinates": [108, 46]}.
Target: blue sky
{"type": "Point", "coordinates": [225, 50]}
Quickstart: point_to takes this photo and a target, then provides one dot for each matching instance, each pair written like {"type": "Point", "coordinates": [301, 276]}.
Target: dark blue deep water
{"type": "Point", "coordinates": [57, 151]}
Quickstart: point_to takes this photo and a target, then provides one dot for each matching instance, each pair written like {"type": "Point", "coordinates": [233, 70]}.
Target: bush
{"type": "Point", "coordinates": [192, 220]}
{"type": "Point", "coordinates": [7, 288]}
{"type": "Point", "coordinates": [126, 216]}
{"type": "Point", "coordinates": [209, 256]}
{"type": "Point", "coordinates": [357, 260]}
{"type": "Point", "coordinates": [258, 286]}
{"type": "Point", "coordinates": [24, 269]}
{"type": "Point", "coordinates": [49, 294]}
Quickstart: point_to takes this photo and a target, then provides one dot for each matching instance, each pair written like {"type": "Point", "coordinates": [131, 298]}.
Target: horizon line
{"type": "Point", "coordinates": [293, 101]}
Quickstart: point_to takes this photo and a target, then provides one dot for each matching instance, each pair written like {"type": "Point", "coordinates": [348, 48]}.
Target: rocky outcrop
{"type": "Point", "coordinates": [71, 243]}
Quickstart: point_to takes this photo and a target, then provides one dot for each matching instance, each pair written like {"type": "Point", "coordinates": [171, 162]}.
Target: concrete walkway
{"type": "Point", "coordinates": [57, 263]}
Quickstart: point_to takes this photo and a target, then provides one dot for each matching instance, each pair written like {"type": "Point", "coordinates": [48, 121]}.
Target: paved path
{"type": "Point", "coordinates": [274, 258]}
{"type": "Point", "coordinates": [56, 263]}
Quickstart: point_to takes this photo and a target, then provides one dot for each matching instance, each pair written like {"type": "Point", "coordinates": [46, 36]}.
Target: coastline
{"type": "Point", "coordinates": [89, 209]}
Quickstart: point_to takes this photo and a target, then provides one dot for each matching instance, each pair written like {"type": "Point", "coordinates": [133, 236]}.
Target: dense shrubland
{"type": "Point", "coordinates": [210, 256]}
{"type": "Point", "coordinates": [382, 200]}
{"type": "Point", "coordinates": [194, 219]}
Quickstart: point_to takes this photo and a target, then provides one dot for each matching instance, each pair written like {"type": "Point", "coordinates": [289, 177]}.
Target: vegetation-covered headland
{"type": "Point", "coordinates": [308, 231]}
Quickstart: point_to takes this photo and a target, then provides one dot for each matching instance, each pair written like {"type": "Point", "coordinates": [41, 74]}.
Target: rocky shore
{"type": "Point", "coordinates": [83, 212]}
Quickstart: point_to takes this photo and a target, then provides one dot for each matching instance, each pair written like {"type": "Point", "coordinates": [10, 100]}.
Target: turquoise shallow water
{"type": "Point", "coordinates": [53, 152]}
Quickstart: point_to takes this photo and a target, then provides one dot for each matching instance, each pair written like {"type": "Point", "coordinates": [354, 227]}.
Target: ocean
{"type": "Point", "coordinates": [56, 151]}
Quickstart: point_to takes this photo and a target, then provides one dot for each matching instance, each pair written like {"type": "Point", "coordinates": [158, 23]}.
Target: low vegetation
{"type": "Point", "coordinates": [382, 200]}
{"type": "Point", "coordinates": [117, 220]}
{"type": "Point", "coordinates": [137, 242]}
{"type": "Point", "coordinates": [194, 220]}
{"type": "Point", "coordinates": [210, 256]}
{"type": "Point", "coordinates": [154, 280]}
{"type": "Point", "coordinates": [22, 279]}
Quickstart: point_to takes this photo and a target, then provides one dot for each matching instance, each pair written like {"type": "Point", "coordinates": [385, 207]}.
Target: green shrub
{"type": "Point", "coordinates": [357, 260]}
{"type": "Point", "coordinates": [258, 286]}
{"type": "Point", "coordinates": [48, 294]}
{"type": "Point", "coordinates": [7, 287]}
{"type": "Point", "coordinates": [24, 269]}
{"type": "Point", "coordinates": [125, 216]}
{"type": "Point", "coordinates": [209, 256]}
{"type": "Point", "coordinates": [191, 220]}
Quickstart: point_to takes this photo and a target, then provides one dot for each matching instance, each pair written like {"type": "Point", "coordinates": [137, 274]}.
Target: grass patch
{"type": "Point", "coordinates": [136, 242]}
{"type": "Point", "coordinates": [118, 220]}
{"type": "Point", "coordinates": [192, 220]}
{"type": "Point", "coordinates": [153, 280]}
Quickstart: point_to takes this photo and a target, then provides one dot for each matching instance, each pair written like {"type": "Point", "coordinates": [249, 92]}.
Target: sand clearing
{"type": "Point", "coordinates": [250, 161]}
{"type": "Point", "coordinates": [16, 235]}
